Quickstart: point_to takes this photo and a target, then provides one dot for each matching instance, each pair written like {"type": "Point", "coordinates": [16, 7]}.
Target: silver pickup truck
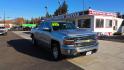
{"type": "Point", "coordinates": [64, 38]}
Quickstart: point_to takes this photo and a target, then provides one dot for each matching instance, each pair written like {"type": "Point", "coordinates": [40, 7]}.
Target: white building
{"type": "Point", "coordinates": [104, 23]}
{"type": "Point", "coordinates": [8, 24]}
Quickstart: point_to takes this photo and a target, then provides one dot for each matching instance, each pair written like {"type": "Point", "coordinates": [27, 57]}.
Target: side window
{"type": "Point", "coordinates": [99, 23]}
{"type": "Point", "coordinates": [44, 25]}
{"type": "Point", "coordinates": [84, 23]}
{"type": "Point", "coordinates": [47, 25]}
{"type": "Point", "coordinates": [41, 25]}
{"type": "Point", "coordinates": [115, 25]}
{"type": "Point", "coordinates": [108, 23]}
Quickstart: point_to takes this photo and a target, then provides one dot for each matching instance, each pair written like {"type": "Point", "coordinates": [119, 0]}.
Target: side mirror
{"type": "Point", "coordinates": [47, 29]}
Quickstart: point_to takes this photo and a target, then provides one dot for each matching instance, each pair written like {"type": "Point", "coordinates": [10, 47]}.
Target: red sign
{"type": "Point", "coordinates": [94, 12]}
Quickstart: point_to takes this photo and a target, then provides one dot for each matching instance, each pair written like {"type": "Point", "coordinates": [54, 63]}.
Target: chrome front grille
{"type": "Point", "coordinates": [85, 41]}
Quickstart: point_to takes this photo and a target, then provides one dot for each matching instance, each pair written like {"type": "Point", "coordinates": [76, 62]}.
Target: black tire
{"type": "Point", "coordinates": [56, 53]}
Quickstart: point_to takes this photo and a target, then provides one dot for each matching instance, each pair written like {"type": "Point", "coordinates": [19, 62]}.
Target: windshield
{"type": "Point", "coordinates": [62, 26]}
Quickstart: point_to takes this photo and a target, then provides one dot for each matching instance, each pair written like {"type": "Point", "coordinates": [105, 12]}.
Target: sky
{"type": "Point", "coordinates": [36, 8]}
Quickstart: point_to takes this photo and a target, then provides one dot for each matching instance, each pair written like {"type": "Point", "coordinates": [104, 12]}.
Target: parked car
{"type": "Point", "coordinates": [3, 30]}
{"type": "Point", "coordinates": [16, 28]}
{"type": "Point", "coordinates": [64, 38]}
{"type": "Point", "coordinates": [26, 28]}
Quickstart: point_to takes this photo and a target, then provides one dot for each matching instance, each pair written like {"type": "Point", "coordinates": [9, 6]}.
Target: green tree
{"type": "Point", "coordinates": [48, 15]}
{"type": "Point", "coordinates": [62, 9]}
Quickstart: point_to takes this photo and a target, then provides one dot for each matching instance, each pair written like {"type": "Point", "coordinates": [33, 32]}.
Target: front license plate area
{"type": "Point", "coordinates": [89, 53]}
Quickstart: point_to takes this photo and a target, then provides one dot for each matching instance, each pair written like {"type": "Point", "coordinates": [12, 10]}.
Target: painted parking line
{"type": "Point", "coordinates": [23, 34]}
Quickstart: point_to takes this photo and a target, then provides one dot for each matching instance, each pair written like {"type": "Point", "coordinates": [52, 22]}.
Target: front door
{"type": "Point", "coordinates": [44, 36]}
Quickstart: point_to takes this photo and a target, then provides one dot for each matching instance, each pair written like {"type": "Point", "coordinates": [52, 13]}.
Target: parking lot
{"type": "Point", "coordinates": [17, 53]}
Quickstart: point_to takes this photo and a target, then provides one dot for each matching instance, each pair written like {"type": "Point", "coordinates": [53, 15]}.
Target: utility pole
{"type": "Point", "coordinates": [4, 17]}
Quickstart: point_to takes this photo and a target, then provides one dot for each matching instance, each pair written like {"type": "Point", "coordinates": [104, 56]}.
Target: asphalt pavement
{"type": "Point", "coordinates": [17, 53]}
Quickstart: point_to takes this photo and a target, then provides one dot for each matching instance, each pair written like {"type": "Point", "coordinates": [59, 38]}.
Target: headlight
{"type": "Point", "coordinates": [69, 41]}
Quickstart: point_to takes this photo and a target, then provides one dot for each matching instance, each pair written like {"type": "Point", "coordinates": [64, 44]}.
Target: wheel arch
{"type": "Point", "coordinates": [54, 41]}
{"type": "Point", "coordinates": [32, 35]}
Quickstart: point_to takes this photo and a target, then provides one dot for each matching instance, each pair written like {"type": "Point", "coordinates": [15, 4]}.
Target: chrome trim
{"type": "Point", "coordinates": [75, 50]}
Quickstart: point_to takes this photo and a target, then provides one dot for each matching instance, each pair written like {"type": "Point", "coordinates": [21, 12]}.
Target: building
{"type": "Point", "coordinates": [103, 23]}
{"type": "Point", "coordinates": [7, 23]}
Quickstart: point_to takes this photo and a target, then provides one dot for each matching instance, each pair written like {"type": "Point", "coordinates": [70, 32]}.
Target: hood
{"type": "Point", "coordinates": [76, 32]}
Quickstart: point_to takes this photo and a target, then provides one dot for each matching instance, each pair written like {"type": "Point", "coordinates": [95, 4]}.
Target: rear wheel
{"type": "Point", "coordinates": [56, 53]}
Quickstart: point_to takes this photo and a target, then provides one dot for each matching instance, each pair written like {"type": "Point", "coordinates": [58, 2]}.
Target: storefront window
{"type": "Point", "coordinates": [84, 23]}
{"type": "Point", "coordinates": [122, 23]}
{"type": "Point", "coordinates": [116, 24]}
{"type": "Point", "coordinates": [108, 23]}
{"type": "Point", "coordinates": [99, 23]}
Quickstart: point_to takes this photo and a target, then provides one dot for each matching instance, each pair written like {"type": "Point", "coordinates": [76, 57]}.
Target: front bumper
{"type": "Point", "coordinates": [71, 50]}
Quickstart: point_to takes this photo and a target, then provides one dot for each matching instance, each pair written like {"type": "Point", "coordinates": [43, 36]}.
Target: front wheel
{"type": "Point", "coordinates": [56, 53]}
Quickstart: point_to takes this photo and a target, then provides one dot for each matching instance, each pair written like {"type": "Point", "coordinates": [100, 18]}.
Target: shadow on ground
{"type": "Point", "coordinates": [26, 47]}
{"type": "Point", "coordinates": [28, 32]}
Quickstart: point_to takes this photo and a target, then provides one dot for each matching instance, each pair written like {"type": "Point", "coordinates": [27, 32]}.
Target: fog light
{"type": "Point", "coordinates": [69, 51]}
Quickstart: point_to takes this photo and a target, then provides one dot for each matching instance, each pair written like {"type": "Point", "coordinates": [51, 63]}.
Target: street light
{"type": "Point", "coordinates": [4, 17]}
{"type": "Point", "coordinates": [4, 14]}
{"type": "Point", "coordinates": [46, 8]}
